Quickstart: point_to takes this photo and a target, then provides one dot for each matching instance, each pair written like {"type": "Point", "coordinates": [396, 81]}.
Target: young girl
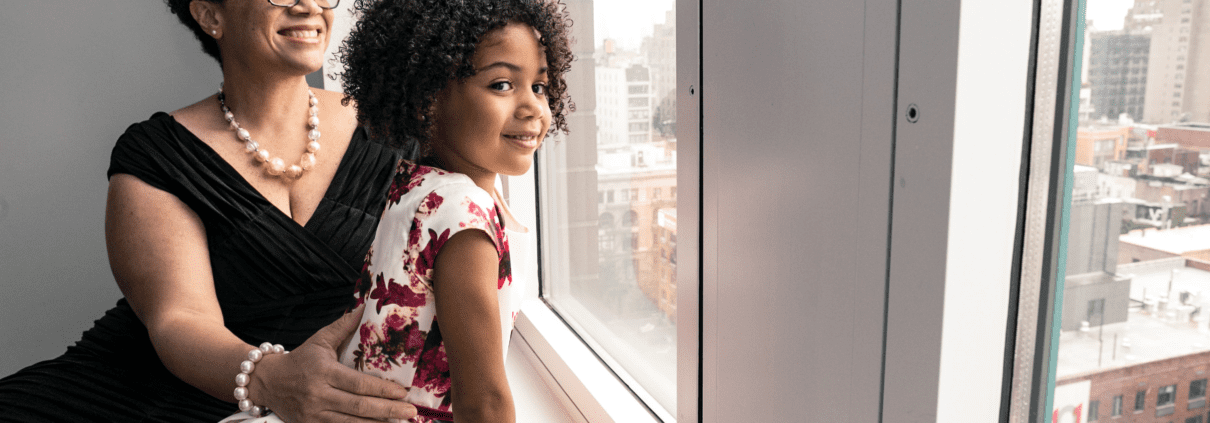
{"type": "Point", "coordinates": [473, 86]}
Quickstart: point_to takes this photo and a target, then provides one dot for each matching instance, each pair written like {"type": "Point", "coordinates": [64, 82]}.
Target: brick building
{"type": "Point", "coordinates": [1096, 145]}
{"type": "Point", "coordinates": [1193, 136]}
{"type": "Point", "coordinates": [1171, 390]}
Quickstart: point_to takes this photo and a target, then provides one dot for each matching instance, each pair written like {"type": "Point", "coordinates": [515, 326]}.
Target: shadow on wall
{"type": "Point", "coordinates": [73, 79]}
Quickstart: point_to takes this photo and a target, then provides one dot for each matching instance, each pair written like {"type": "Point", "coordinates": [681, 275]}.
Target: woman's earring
{"type": "Point", "coordinates": [214, 32]}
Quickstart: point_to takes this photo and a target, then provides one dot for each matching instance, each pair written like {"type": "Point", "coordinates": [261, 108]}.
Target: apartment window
{"type": "Point", "coordinates": [1107, 309]}
{"type": "Point", "coordinates": [1194, 419]}
{"type": "Point", "coordinates": [1197, 394]}
{"type": "Point", "coordinates": [1093, 410]}
{"type": "Point", "coordinates": [610, 292]}
{"type": "Point", "coordinates": [1165, 401]}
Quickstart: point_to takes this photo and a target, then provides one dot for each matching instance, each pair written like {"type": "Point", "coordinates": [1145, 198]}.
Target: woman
{"type": "Point", "coordinates": [231, 222]}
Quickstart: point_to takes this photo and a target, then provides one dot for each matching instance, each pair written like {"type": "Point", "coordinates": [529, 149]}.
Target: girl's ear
{"type": "Point", "coordinates": [209, 16]}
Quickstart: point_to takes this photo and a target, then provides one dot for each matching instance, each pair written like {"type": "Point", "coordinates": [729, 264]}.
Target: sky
{"type": "Point", "coordinates": [627, 21]}
{"type": "Point", "coordinates": [1107, 15]}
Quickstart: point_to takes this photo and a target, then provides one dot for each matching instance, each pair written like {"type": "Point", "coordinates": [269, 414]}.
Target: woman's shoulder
{"type": "Point", "coordinates": [158, 132]}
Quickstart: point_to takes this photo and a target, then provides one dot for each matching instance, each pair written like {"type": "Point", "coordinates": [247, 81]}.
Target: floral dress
{"type": "Point", "coordinates": [399, 338]}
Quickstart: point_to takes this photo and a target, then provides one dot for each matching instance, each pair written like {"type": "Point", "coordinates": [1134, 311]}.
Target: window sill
{"type": "Point", "coordinates": [1165, 410]}
{"type": "Point", "coordinates": [592, 393]}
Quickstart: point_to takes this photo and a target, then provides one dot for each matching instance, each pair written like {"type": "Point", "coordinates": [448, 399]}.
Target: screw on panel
{"type": "Point", "coordinates": [913, 113]}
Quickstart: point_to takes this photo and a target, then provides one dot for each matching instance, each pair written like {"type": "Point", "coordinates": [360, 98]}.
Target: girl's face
{"type": "Point", "coordinates": [493, 121]}
{"type": "Point", "coordinates": [256, 34]}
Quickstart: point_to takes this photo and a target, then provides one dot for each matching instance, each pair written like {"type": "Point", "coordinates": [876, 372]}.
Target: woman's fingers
{"type": "Point", "coordinates": [365, 398]}
{"type": "Point", "coordinates": [310, 385]}
{"type": "Point", "coordinates": [335, 333]}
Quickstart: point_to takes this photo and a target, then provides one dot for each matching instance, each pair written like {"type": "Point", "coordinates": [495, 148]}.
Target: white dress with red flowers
{"type": "Point", "coordinates": [399, 338]}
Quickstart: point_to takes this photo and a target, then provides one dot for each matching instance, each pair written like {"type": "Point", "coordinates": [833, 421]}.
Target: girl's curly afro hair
{"type": "Point", "coordinates": [401, 53]}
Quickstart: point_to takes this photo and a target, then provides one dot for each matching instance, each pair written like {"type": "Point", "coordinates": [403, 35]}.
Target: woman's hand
{"type": "Point", "coordinates": [310, 385]}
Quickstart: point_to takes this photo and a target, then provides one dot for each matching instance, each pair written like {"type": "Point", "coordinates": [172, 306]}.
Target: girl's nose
{"type": "Point", "coordinates": [532, 105]}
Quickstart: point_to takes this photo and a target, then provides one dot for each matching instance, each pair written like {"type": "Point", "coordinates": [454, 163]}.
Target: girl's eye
{"type": "Point", "coordinates": [539, 89]}
{"type": "Point", "coordinates": [502, 86]}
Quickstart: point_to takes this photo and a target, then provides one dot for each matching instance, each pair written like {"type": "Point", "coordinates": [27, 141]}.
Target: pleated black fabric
{"type": "Point", "coordinates": [275, 280]}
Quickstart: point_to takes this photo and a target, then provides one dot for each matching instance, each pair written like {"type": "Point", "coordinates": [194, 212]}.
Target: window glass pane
{"type": "Point", "coordinates": [610, 265]}
{"type": "Point", "coordinates": [1135, 311]}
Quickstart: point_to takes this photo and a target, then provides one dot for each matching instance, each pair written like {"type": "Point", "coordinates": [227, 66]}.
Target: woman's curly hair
{"type": "Point", "coordinates": [402, 53]}
{"type": "Point", "coordinates": [180, 8]}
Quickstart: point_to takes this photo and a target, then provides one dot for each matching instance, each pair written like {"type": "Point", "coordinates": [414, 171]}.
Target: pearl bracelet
{"type": "Point", "coordinates": [245, 376]}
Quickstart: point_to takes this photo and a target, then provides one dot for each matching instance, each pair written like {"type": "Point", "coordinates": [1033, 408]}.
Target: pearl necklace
{"type": "Point", "coordinates": [275, 166]}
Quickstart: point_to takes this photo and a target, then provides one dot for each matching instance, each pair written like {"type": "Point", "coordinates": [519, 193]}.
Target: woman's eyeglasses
{"type": "Point", "coordinates": [326, 4]}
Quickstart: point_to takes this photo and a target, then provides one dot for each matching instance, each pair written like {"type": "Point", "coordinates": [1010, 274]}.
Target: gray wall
{"type": "Point", "coordinates": [74, 76]}
{"type": "Point", "coordinates": [1092, 237]}
{"type": "Point", "coordinates": [797, 127]}
{"type": "Point", "coordinates": [1078, 290]}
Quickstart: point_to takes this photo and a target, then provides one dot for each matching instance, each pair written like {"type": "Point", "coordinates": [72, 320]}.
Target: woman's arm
{"type": "Point", "coordinates": [159, 257]}
{"type": "Point", "coordinates": [468, 311]}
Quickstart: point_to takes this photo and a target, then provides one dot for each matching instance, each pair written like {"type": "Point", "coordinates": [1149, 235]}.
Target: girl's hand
{"type": "Point", "coordinates": [310, 385]}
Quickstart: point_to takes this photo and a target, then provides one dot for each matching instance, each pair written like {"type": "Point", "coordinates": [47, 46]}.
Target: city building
{"type": "Point", "coordinates": [1191, 242]}
{"type": "Point", "coordinates": [1178, 65]}
{"type": "Point", "coordinates": [1094, 294]}
{"type": "Point", "coordinates": [1118, 72]}
{"type": "Point", "coordinates": [611, 112]}
{"type": "Point", "coordinates": [1153, 366]}
{"type": "Point", "coordinates": [638, 105]}
{"type": "Point", "coordinates": [1193, 136]}
{"type": "Point", "coordinates": [1098, 144]}
{"type": "Point", "coordinates": [636, 237]}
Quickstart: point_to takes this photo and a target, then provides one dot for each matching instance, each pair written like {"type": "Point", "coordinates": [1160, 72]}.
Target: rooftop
{"type": "Point", "coordinates": [1144, 337]}
{"type": "Point", "coordinates": [1175, 240]}
{"type": "Point", "coordinates": [1190, 126]}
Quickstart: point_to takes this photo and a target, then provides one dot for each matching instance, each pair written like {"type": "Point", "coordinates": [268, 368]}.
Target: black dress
{"type": "Point", "coordinates": [275, 280]}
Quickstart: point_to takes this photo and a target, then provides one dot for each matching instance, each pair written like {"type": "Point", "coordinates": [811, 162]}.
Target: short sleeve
{"type": "Point", "coordinates": [445, 211]}
{"type": "Point", "coordinates": [140, 152]}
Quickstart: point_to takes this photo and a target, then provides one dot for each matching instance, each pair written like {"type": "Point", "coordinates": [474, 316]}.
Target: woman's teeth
{"type": "Point", "coordinates": [301, 34]}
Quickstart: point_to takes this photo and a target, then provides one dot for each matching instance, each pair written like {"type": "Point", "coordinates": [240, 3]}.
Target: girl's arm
{"type": "Point", "coordinates": [468, 312]}
{"type": "Point", "coordinates": [160, 260]}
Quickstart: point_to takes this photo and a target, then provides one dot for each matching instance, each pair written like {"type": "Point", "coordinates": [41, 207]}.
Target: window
{"type": "Point", "coordinates": [1107, 298]}
{"type": "Point", "coordinates": [615, 285]}
{"type": "Point", "coordinates": [1197, 394]}
{"type": "Point", "coordinates": [1194, 419]}
{"type": "Point", "coordinates": [1165, 401]}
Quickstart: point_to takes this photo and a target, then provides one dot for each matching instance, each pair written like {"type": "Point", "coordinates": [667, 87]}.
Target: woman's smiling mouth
{"type": "Point", "coordinates": [301, 34]}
